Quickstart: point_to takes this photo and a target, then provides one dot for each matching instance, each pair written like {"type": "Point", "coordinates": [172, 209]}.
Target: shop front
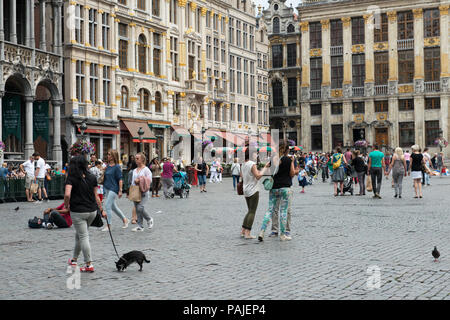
{"type": "Point", "coordinates": [131, 142]}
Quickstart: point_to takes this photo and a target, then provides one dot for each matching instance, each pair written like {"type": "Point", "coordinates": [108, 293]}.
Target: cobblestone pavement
{"type": "Point", "coordinates": [196, 252]}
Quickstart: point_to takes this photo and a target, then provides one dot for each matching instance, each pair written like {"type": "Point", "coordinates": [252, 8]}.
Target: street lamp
{"type": "Point", "coordinates": [83, 128]}
{"type": "Point", "coordinates": [141, 138]}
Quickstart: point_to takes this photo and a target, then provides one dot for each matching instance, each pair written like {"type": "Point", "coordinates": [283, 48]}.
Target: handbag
{"type": "Point", "coordinates": [268, 183]}
{"type": "Point", "coordinates": [135, 194]}
{"type": "Point", "coordinates": [369, 183]}
{"type": "Point", "coordinates": [240, 188]}
{"type": "Point", "coordinates": [48, 177]}
{"type": "Point", "coordinates": [97, 222]}
{"type": "Point", "coordinates": [34, 188]}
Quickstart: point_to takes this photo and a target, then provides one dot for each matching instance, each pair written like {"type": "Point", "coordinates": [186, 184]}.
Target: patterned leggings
{"type": "Point", "coordinates": [278, 199]}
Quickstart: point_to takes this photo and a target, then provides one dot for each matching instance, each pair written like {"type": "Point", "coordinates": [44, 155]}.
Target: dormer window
{"type": "Point", "coordinates": [275, 7]}
{"type": "Point", "coordinates": [291, 28]}
{"type": "Point", "coordinates": [276, 25]}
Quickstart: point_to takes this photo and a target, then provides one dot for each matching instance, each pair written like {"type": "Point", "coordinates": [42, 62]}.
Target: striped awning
{"type": "Point", "coordinates": [133, 128]}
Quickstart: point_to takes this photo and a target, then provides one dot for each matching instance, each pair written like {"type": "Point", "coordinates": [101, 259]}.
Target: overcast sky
{"type": "Point", "coordinates": [265, 4]}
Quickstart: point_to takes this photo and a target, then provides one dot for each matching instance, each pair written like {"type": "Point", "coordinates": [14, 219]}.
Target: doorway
{"type": "Point", "coordinates": [359, 134]}
{"type": "Point", "coordinates": [381, 136]}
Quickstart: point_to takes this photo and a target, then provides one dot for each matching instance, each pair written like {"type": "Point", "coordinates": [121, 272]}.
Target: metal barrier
{"type": "Point", "coordinates": [12, 190]}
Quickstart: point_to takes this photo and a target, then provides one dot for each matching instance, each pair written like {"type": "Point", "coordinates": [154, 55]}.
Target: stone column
{"type": "Point", "coordinates": [86, 27]}
{"type": "Point", "coordinates": [299, 55]}
{"type": "Point", "coordinates": [419, 71]}
{"type": "Point", "coordinates": [419, 120]}
{"type": "Point", "coordinates": [445, 70]}
{"type": "Point", "coordinates": [182, 15]}
{"type": "Point", "coordinates": [346, 119]}
{"type": "Point", "coordinates": [306, 126]}
{"type": "Point", "coordinates": [393, 52]}
{"type": "Point", "coordinates": [2, 28]}
{"type": "Point", "coordinates": [57, 151]}
{"type": "Point", "coordinates": [369, 117]}
{"type": "Point", "coordinates": [132, 48]}
{"type": "Point", "coordinates": [168, 61]}
{"type": "Point", "coordinates": [28, 25]}
{"type": "Point", "coordinates": [2, 93]}
{"type": "Point", "coordinates": [326, 62]}
{"type": "Point", "coordinates": [304, 26]}
{"type": "Point", "coordinates": [163, 56]}
{"type": "Point", "coordinates": [326, 126]}
{"type": "Point", "coordinates": [393, 117]}
{"type": "Point", "coordinates": [284, 55]}
{"type": "Point", "coordinates": [42, 40]}
{"type": "Point", "coordinates": [347, 47]}
{"type": "Point", "coordinates": [12, 23]}
{"type": "Point", "coordinates": [87, 93]}
{"type": "Point", "coordinates": [99, 30]}
{"type": "Point", "coordinates": [101, 102]}
{"type": "Point", "coordinates": [369, 55]}
{"type": "Point", "coordinates": [29, 146]}
{"type": "Point", "coordinates": [150, 52]}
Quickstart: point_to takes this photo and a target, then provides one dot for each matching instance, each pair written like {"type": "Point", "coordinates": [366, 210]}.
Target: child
{"type": "Point", "coordinates": [302, 179]}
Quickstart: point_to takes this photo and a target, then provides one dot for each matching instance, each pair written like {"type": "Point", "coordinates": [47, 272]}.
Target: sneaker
{"type": "Point", "coordinates": [106, 228]}
{"type": "Point", "coordinates": [150, 223]}
{"type": "Point", "coordinates": [125, 225]}
{"type": "Point", "coordinates": [72, 263]}
{"type": "Point", "coordinates": [87, 269]}
{"type": "Point", "coordinates": [137, 229]}
{"type": "Point", "coordinates": [303, 191]}
{"type": "Point", "coordinates": [261, 236]}
{"type": "Point", "coordinates": [250, 237]}
{"type": "Point", "coordinates": [273, 234]}
{"type": "Point", "coordinates": [285, 237]}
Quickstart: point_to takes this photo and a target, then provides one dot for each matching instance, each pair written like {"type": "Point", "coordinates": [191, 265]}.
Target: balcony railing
{"type": "Point", "coordinates": [81, 110]}
{"type": "Point", "coordinates": [108, 113]}
{"type": "Point", "coordinates": [315, 94]}
{"type": "Point", "coordinates": [381, 90]}
{"type": "Point", "coordinates": [220, 94]}
{"type": "Point", "coordinates": [195, 85]}
{"type": "Point", "coordinates": [337, 51]}
{"type": "Point", "coordinates": [432, 86]}
{"type": "Point", "coordinates": [405, 44]}
{"type": "Point", "coordinates": [358, 91]}
{"type": "Point", "coordinates": [278, 111]}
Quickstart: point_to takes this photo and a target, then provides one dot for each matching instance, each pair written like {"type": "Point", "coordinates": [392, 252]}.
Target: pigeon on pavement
{"type": "Point", "coordinates": [435, 253]}
{"type": "Point", "coordinates": [17, 209]}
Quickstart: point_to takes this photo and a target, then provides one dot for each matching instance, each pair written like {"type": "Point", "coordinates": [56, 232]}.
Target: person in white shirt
{"type": "Point", "coordinates": [28, 167]}
{"type": "Point", "coordinates": [427, 158]}
{"type": "Point", "coordinates": [141, 172]}
{"type": "Point", "coordinates": [40, 176]}
{"type": "Point", "coordinates": [214, 176]}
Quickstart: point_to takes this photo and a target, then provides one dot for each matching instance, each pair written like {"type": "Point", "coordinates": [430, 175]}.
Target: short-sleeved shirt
{"type": "Point", "coordinates": [202, 168]}
{"type": "Point", "coordinates": [407, 156]}
{"type": "Point", "coordinates": [82, 197]}
{"type": "Point", "coordinates": [144, 172]}
{"type": "Point", "coordinates": [416, 164]}
{"type": "Point", "coordinates": [28, 166]}
{"type": "Point", "coordinates": [112, 177]}
{"type": "Point", "coordinates": [167, 170]}
{"type": "Point", "coordinates": [41, 165]}
{"type": "Point", "coordinates": [377, 157]}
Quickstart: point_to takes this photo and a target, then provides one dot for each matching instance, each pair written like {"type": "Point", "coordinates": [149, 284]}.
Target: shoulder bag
{"type": "Point", "coordinates": [97, 222]}
{"type": "Point", "coordinates": [135, 194]}
{"type": "Point", "coordinates": [240, 188]}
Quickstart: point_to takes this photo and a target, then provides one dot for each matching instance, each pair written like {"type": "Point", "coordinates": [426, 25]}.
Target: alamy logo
{"type": "Point", "coordinates": [374, 280]}
{"type": "Point", "coordinates": [74, 281]}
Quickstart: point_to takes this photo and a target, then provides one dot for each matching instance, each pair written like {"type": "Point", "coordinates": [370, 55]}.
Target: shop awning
{"type": "Point", "coordinates": [159, 124]}
{"type": "Point", "coordinates": [133, 128]}
{"type": "Point", "coordinates": [100, 129]}
{"type": "Point", "coordinates": [183, 132]}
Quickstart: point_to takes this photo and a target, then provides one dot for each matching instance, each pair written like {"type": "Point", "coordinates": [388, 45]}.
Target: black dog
{"type": "Point", "coordinates": [129, 258]}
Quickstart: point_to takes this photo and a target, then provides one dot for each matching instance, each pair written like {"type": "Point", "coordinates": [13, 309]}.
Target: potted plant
{"type": "Point", "coordinates": [82, 147]}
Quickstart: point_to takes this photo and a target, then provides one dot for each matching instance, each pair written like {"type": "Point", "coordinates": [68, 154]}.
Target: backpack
{"type": "Point", "coordinates": [337, 163]}
{"type": "Point", "coordinates": [35, 223]}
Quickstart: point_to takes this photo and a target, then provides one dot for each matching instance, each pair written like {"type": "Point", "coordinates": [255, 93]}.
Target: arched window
{"type": "Point", "coordinates": [124, 97]}
{"type": "Point", "coordinates": [276, 25]}
{"type": "Point", "coordinates": [291, 28]}
{"type": "Point", "coordinates": [142, 53]}
{"type": "Point", "coordinates": [144, 100]}
{"type": "Point", "coordinates": [158, 102]}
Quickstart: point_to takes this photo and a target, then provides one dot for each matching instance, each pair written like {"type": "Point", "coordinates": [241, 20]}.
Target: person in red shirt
{"type": "Point", "coordinates": [59, 216]}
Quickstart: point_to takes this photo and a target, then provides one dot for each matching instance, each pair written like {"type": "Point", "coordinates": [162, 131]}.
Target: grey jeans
{"type": "Point", "coordinates": [81, 222]}
{"type": "Point", "coordinates": [167, 184]}
{"type": "Point", "coordinates": [397, 176]}
{"type": "Point", "coordinates": [362, 182]}
{"type": "Point", "coordinates": [141, 213]}
{"type": "Point", "coordinates": [276, 221]}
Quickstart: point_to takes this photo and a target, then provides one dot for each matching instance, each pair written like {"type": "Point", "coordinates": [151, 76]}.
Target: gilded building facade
{"type": "Point", "coordinates": [372, 70]}
{"type": "Point", "coordinates": [170, 67]}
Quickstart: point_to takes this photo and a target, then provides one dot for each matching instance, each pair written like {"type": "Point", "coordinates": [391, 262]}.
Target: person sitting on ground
{"type": "Point", "coordinates": [59, 216]}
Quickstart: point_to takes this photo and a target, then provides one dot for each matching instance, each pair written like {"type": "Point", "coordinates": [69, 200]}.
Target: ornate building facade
{"type": "Point", "coordinates": [373, 70]}
{"type": "Point", "coordinates": [31, 79]}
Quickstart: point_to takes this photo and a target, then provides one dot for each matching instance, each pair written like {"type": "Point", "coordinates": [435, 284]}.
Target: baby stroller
{"type": "Point", "coordinates": [311, 174]}
{"type": "Point", "coordinates": [348, 181]}
{"type": "Point", "coordinates": [180, 186]}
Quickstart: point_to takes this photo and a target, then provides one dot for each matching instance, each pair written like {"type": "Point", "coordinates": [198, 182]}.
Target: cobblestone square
{"type": "Point", "coordinates": [196, 252]}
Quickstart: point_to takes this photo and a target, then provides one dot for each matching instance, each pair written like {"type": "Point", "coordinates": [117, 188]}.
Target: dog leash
{"type": "Point", "coordinates": [112, 240]}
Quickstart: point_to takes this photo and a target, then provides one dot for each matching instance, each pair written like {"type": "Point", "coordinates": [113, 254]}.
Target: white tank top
{"type": "Point", "coordinates": [249, 180]}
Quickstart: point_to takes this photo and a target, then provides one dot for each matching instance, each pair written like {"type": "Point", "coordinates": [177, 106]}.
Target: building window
{"type": "Point", "coordinates": [222, 51]}
{"type": "Point", "coordinates": [239, 75]}
{"type": "Point", "coordinates": [276, 25]}
{"type": "Point", "coordinates": [239, 112]}
{"type": "Point", "coordinates": [216, 49]}
{"type": "Point", "coordinates": [381, 106]}
{"type": "Point", "coordinates": [291, 54]}
{"type": "Point", "coordinates": [431, 132]}
{"type": "Point", "coordinates": [432, 103]}
{"type": "Point", "coordinates": [337, 72]}
{"type": "Point", "coordinates": [231, 31]}
{"type": "Point", "coordinates": [174, 58]}
{"type": "Point", "coordinates": [431, 23]}
{"type": "Point", "coordinates": [156, 54]}
{"type": "Point", "coordinates": [358, 70]}
{"type": "Point", "coordinates": [144, 100]}
{"type": "Point", "coordinates": [406, 104]}
{"type": "Point", "coordinates": [141, 4]}
{"type": "Point", "coordinates": [124, 97]}
{"type": "Point", "coordinates": [266, 113]}
{"type": "Point", "coordinates": [142, 54]}
{"type": "Point", "coordinates": [381, 28]}
{"type": "Point", "coordinates": [93, 83]}
{"type": "Point", "coordinates": [406, 134]}
{"type": "Point", "coordinates": [106, 85]}
{"type": "Point", "coordinates": [158, 107]}
{"type": "Point", "coordinates": [217, 113]}
{"type": "Point", "coordinates": [208, 47]}
{"type": "Point", "coordinates": [123, 46]}
{"type": "Point", "coordinates": [405, 25]}
{"type": "Point", "coordinates": [316, 137]}
{"type": "Point", "coordinates": [244, 35]}
{"type": "Point", "coordinates": [358, 107]}
{"type": "Point", "coordinates": [232, 112]}
{"type": "Point", "coordinates": [337, 135]}
{"type": "Point", "coordinates": [358, 30]}
{"type": "Point", "coordinates": [277, 56]}
{"type": "Point", "coordinates": [336, 108]}
{"type": "Point", "coordinates": [315, 35]}
{"type": "Point", "coordinates": [173, 11]}
{"type": "Point", "coordinates": [155, 8]}
{"type": "Point", "coordinates": [336, 31]}
{"type": "Point", "coordinates": [105, 31]}
{"type": "Point", "coordinates": [79, 23]}
{"type": "Point", "coordinates": [292, 92]}
{"type": "Point", "coordinates": [238, 34]}
{"type": "Point", "coordinates": [316, 109]}
{"type": "Point", "coordinates": [406, 66]}
{"type": "Point", "coordinates": [246, 114]}
{"type": "Point", "coordinates": [260, 113]}
{"type": "Point", "coordinates": [432, 64]}
{"type": "Point", "coordinates": [316, 73]}
{"type": "Point", "coordinates": [381, 68]}
{"type": "Point", "coordinates": [277, 93]}
{"type": "Point", "coordinates": [92, 27]}
{"type": "Point", "coordinates": [79, 78]}
{"type": "Point", "coordinates": [290, 28]}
